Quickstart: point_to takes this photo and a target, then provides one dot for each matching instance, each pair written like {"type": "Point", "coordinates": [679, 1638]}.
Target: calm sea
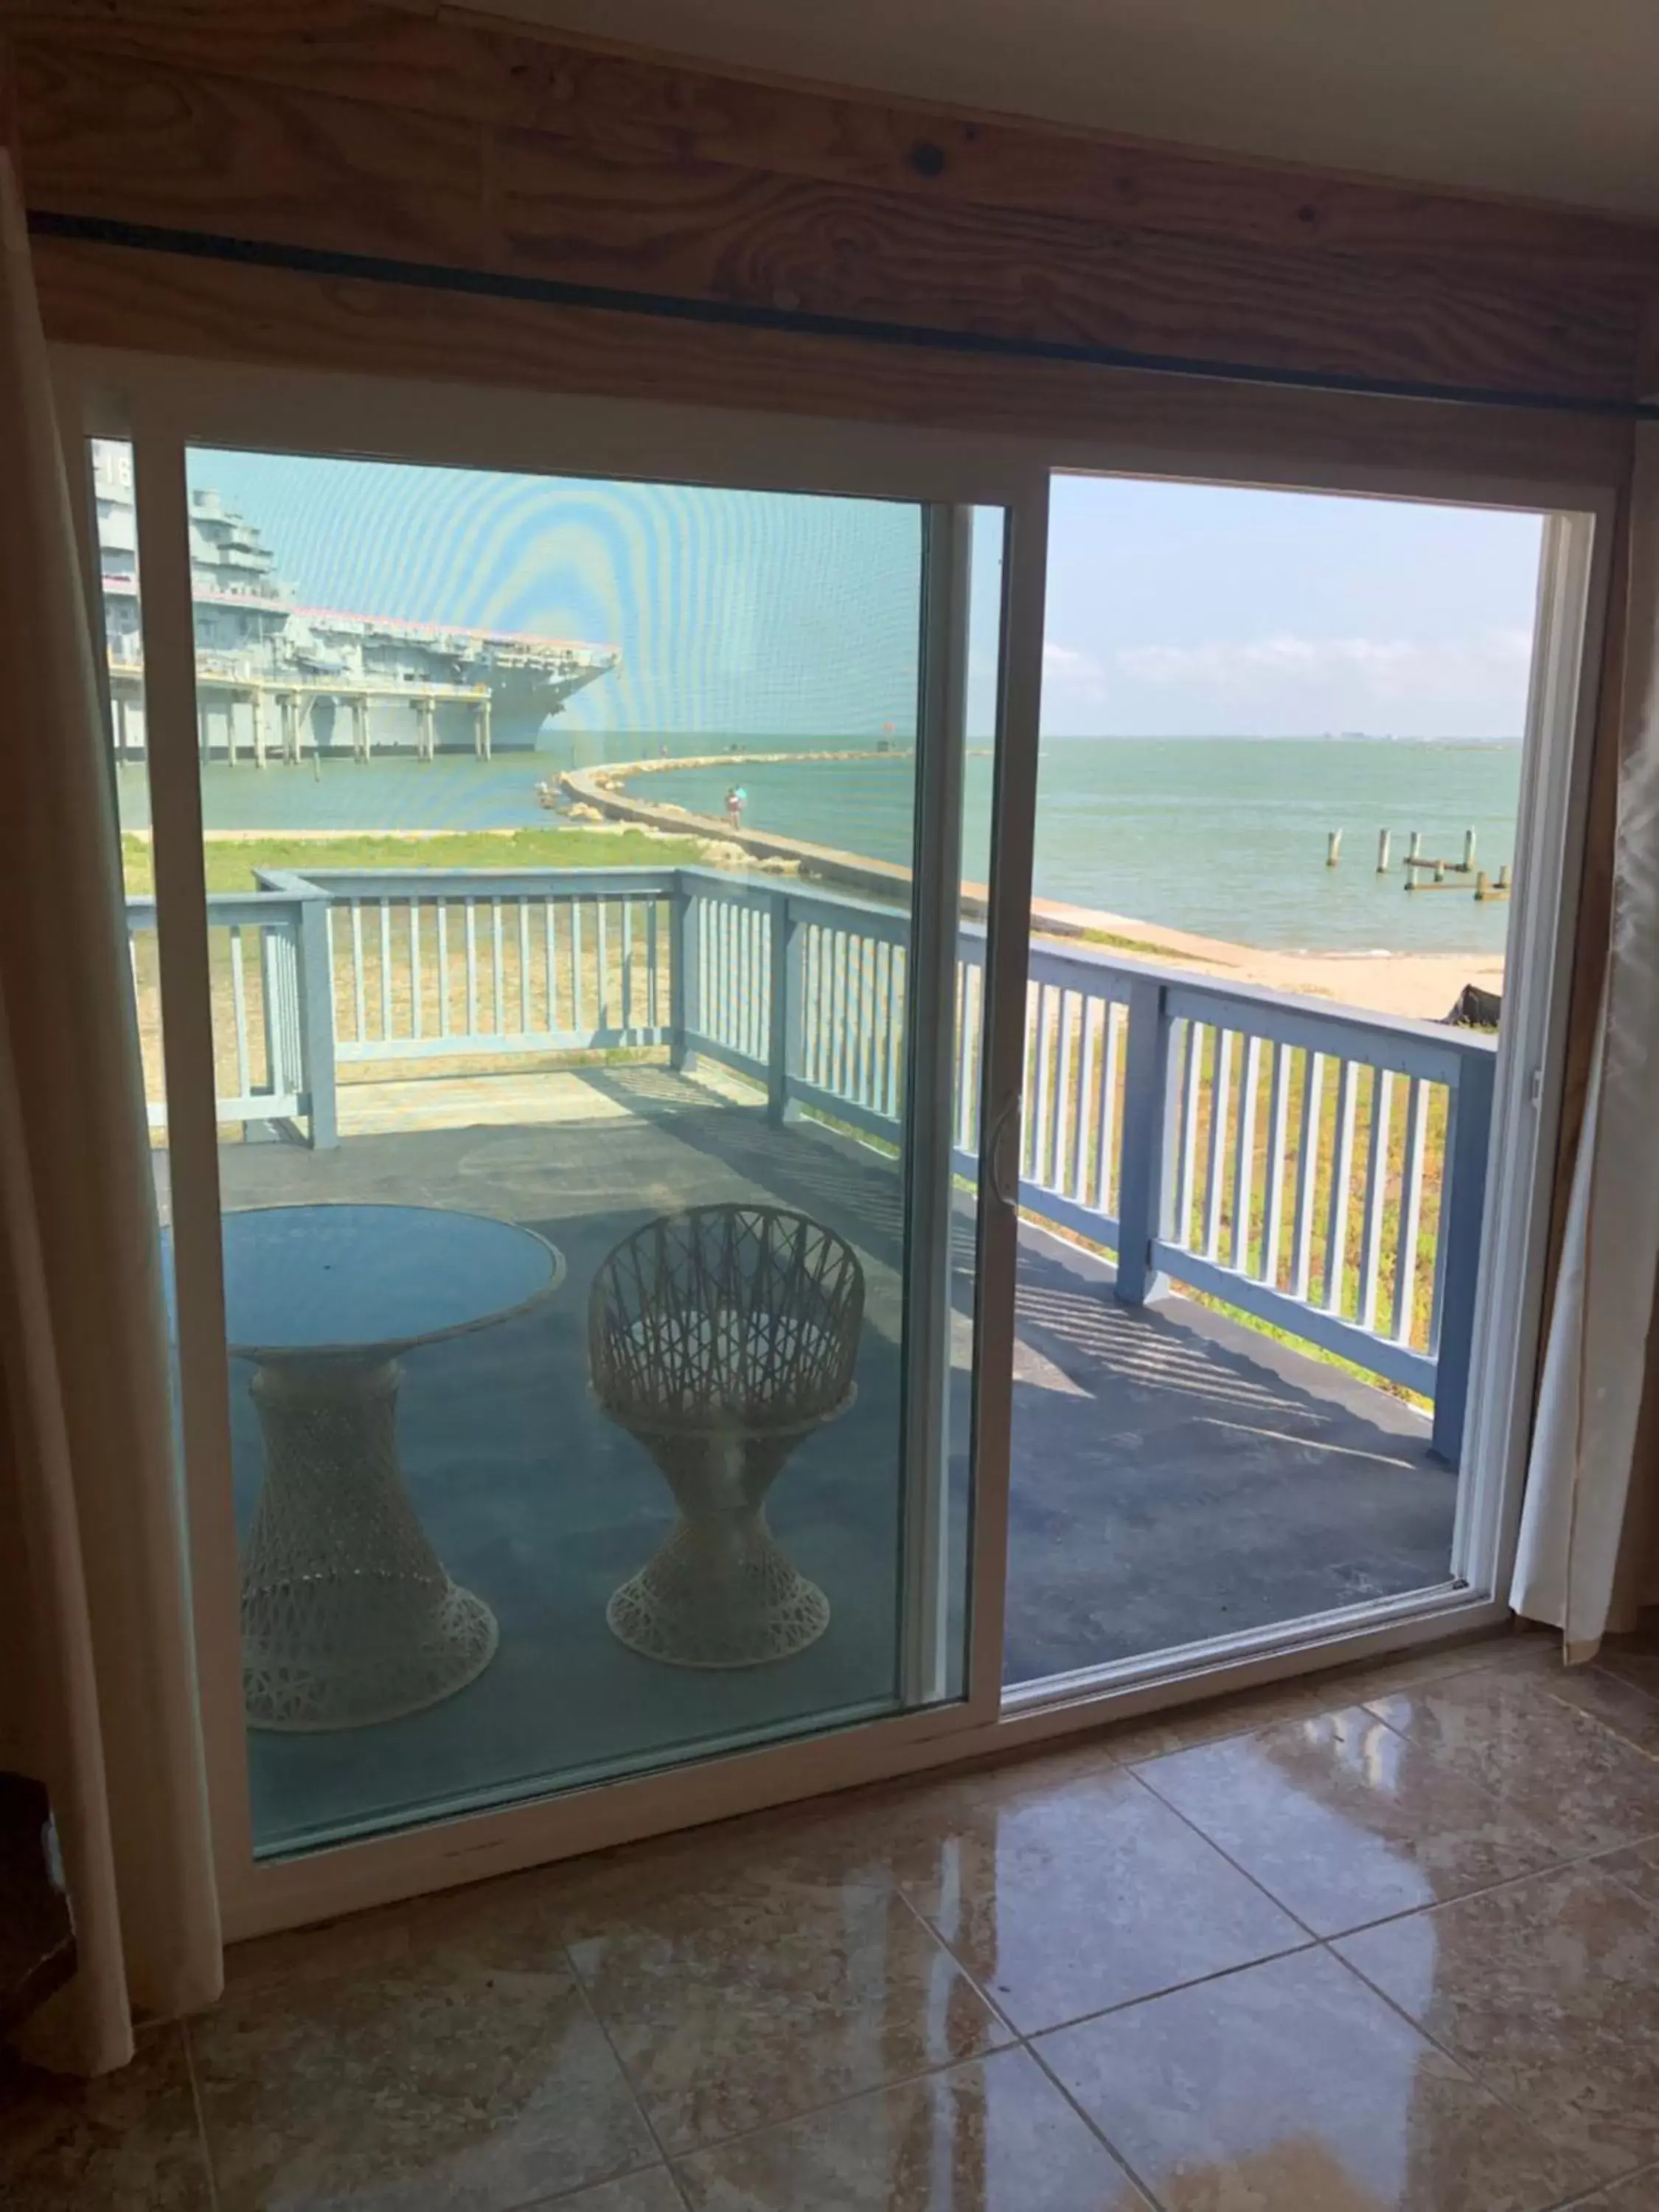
{"type": "Point", "coordinates": [1225, 836]}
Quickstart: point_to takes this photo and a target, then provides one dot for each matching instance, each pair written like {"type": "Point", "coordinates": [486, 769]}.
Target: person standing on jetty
{"type": "Point", "coordinates": [736, 799]}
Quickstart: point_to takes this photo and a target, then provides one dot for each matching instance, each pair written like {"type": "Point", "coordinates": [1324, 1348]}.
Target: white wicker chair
{"type": "Point", "coordinates": [720, 1338]}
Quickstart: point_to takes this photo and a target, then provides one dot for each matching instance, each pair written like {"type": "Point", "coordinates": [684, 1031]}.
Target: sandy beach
{"type": "Point", "coordinates": [1424, 985]}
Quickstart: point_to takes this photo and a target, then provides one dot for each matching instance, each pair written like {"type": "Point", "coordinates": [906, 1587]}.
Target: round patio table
{"type": "Point", "coordinates": [348, 1616]}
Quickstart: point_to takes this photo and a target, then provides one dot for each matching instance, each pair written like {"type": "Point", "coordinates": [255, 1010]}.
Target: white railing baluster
{"type": "Point", "coordinates": [525, 1021]}
{"type": "Point", "coordinates": [1081, 1095]}
{"type": "Point", "coordinates": [1307, 1174]}
{"type": "Point", "coordinates": [497, 973]}
{"type": "Point", "coordinates": [238, 1009]}
{"type": "Point", "coordinates": [386, 969]}
{"type": "Point", "coordinates": [333, 978]}
{"type": "Point", "coordinates": [1249, 1079]}
{"type": "Point", "coordinates": [1336, 1219]}
{"type": "Point", "coordinates": [1106, 1138]}
{"type": "Point", "coordinates": [549, 969]}
{"type": "Point", "coordinates": [1191, 1092]}
{"type": "Point", "coordinates": [1216, 1154]}
{"type": "Point", "coordinates": [578, 1000]}
{"type": "Point", "coordinates": [1411, 1212]}
{"type": "Point", "coordinates": [838, 1016]}
{"type": "Point", "coordinates": [963, 1049]}
{"type": "Point", "coordinates": [1438, 1280]}
{"type": "Point", "coordinates": [470, 911]}
{"type": "Point", "coordinates": [1273, 1199]}
{"type": "Point", "coordinates": [1061, 1090]}
{"type": "Point", "coordinates": [416, 980]}
{"type": "Point", "coordinates": [652, 1017]}
{"type": "Point", "coordinates": [1043, 1116]}
{"type": "Point", "coordinates": [1376, 1186]}
{"type": "Point", "coordinates": [441, 919]}
{"type": "Point", "coordinates": [360, 996]}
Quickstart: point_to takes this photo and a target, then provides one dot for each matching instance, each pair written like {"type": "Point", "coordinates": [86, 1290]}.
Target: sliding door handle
{"type": "Point", "coordinates": [1004, 1125]}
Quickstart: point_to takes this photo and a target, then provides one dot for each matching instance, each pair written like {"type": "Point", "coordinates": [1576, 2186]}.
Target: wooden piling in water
{"type": "Point", "coordinates": [1334, 848]}
{"type": "Point", "coordinates": [1468, 850]}
{"type": "Point", "coordinates": [1382, 852]}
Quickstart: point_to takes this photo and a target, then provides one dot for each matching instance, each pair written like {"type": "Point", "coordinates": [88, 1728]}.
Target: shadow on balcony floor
{"type": "Point", "coordinates": [1174, 1475]}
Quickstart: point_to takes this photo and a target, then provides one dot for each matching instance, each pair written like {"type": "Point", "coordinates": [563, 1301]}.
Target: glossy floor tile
{"type": "Point", "coordinates": [996, 2135]}
{"type": "Point", "coordinates": [1638, 1869]}
{"type": "Point", "coordinates": [130, 2139]}
{"type": "Point", "coordinates": [1548, 1991]}
{"type": "Point", "coordinates": [1639, 2194]}
{"type": "Point", "coordinates": [736, 2007]}
{"type": "Point", "coordinates": [1066, 1899]}
{"type": "Point", "coordinates": [1344, 1820]}
{"type": "Point", "coordinates": [1293, 2087]}
{"type": "Point", "coordinates": [652, 2190]}
{"type": "Point", "coordinates": [1386, 1943]}
{"type": "Point", "coordinates": [1558, 1753]}
{"type": "Point", "coordinates": [437, 2058]}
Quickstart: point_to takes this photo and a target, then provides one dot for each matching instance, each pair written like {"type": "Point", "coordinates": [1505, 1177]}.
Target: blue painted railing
{"type": "Point", "coordinates": [1320, 1170]}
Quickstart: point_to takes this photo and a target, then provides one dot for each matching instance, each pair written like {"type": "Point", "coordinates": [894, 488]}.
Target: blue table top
{"type": "Point", "coordinates": [314, 1279]}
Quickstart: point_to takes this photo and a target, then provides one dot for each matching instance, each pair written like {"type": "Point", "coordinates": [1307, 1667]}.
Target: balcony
{"type": "Point", "coordinates": [1224, 1193]}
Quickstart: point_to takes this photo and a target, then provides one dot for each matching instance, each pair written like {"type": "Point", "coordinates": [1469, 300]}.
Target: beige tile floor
{"type": "Point", "coordinates": [1386, 1942]}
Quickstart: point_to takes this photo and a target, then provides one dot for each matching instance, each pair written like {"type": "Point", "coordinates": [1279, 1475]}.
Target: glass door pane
{"type": "Point", "coordinates": [560, 840]}
{"type": "Point", "coordinates": [1281, 773]}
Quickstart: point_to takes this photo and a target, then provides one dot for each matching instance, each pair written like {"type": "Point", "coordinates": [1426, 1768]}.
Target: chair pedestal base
{"type": "Point", "coordinates": [719, 1593]}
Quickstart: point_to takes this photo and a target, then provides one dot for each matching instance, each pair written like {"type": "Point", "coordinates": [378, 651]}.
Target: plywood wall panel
{"type": "Point", "coordinates": [458, 62]}
{"type": "Point", "coordinates": [425, 136]}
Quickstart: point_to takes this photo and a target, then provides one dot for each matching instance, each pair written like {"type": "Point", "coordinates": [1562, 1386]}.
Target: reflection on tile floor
{"type": "Point", "coordinates": [1386, 1942]}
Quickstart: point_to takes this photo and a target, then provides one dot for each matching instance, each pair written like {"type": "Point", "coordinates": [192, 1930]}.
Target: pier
{"type": "Point", "coordinates": [280, 722]}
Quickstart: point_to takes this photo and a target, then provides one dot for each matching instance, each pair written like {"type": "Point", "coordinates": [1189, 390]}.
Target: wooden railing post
{"type": "Point", "coordinates": [684, 995]}
{"type": "Point", "coordinates": [316, 991]}
{"type": "Point", "coordinates": [783, 1009]}
{"type": "Point", "coordinates": [1462, 1208]}
{"type": "Point", "coordinates": [1144, 1143]}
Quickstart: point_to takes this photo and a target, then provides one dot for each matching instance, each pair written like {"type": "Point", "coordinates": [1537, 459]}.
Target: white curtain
{"type": "Point", "coordinates": [1586, 1561]}
{"type": "Point", "coordinates": [97, 1692]}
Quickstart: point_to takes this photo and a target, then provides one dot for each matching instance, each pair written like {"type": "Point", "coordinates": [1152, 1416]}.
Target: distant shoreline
{"type": "Point", "coordinates": [1422, 986]}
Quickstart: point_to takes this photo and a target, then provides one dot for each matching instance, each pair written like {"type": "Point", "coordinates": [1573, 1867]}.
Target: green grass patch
{"type": "Point", "coordinates": [1114, 943]}
{"type": "Point", "coordinates": [231, 861]}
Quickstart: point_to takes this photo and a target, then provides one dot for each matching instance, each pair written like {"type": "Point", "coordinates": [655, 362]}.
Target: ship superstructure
{"type": "Point", "coordinates": [276, 679]}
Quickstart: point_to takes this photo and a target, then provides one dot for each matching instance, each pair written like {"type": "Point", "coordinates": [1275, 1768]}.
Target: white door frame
{"type": "Point", "coordinates": [165, 404]}
{"type": "Point", "coordinates": [163, 415]}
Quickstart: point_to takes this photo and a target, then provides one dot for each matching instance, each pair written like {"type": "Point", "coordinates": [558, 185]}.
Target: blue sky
{"type": "Point", "coordinates": [1172, 610]}
{"type": "Point", "coordinates": [1178, 610]}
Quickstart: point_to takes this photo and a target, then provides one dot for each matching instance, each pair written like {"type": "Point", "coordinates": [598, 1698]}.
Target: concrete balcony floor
{"type": "Point", "coordinates": [1174, 1475]}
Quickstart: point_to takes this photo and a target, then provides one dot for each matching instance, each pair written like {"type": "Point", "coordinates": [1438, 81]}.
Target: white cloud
{"type": "Point", "coordinates": [1080, 673]}
{"type": "Point", "coordinates": [1492, 664]}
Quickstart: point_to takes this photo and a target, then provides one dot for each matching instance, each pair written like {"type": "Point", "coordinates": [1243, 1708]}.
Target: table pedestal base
{"type": "Point", "coordinates": [347, 1616]}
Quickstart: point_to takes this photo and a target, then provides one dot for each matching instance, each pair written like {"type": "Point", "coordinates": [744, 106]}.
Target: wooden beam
{"type": "Point", "coordinates": [112, 132]}
{"type": "Point", "coordinates": [712, 231]}
{"type": "Point", "coordinates": [113, 298]}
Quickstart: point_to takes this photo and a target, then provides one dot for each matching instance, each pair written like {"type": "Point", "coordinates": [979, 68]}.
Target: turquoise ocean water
{"type": "Point", "coordinates": [1225, 836]}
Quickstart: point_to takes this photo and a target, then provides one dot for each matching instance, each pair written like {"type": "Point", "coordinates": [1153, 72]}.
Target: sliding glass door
{"type": "Point", "coordinates": [692, 1289]}
{"type": "Point", "coordinates": [567, 1138]}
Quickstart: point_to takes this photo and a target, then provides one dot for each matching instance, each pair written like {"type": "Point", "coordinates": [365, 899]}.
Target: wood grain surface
{"type": "Point", "coordinates": [382, 132]}
{"type": "Point", "coordinates": [97, 296]}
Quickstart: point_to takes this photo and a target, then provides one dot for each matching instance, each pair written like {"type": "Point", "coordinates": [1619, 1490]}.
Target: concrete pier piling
{"type": "Point", "coordinates": [1334, 848]}
{"type": "Point", "coordinates": [1382, 852]}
